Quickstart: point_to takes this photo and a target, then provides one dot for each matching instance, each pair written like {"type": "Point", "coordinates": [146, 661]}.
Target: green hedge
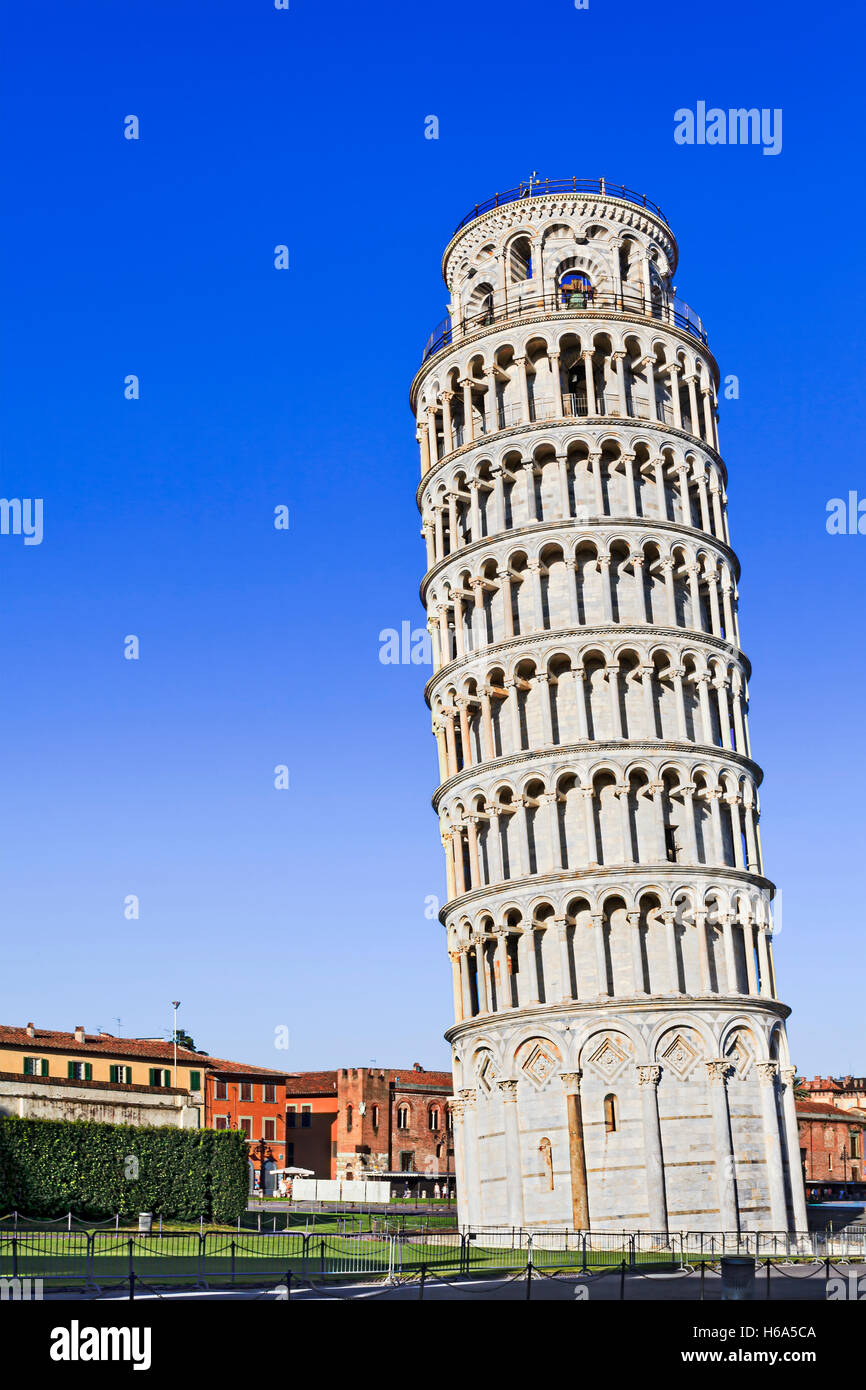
{"type": "Point", "coordinates": [50, 1167]}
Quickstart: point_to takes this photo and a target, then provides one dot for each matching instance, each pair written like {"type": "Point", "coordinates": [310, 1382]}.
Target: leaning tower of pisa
{"type": "Point", "coordinates": [619, 1050]}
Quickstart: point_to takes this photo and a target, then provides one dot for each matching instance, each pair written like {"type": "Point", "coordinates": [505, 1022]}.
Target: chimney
{"type": "Point", "coordinates": [31, 1031]}
{"type": "Point", "coordinates": [79, 1032]}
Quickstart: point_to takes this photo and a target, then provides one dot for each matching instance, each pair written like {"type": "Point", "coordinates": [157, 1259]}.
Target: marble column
{"type": "Point", "coordinates": [767, 1073]}
{"type": "Point", "coordinates": [792, 1145]}
{"type": "Point", "coordinates": [718, 1071]}
{"type": "Point", "coordinates": [648, 1081]}
{"type": "Point", "coordinates": [576, 1151]}
{"type": "Point", "coordinates": [513, 1162]}
{"type": "Point", "coordinates": [471, 1157]}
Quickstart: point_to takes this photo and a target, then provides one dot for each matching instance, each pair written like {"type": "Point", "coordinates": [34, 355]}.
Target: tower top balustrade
{"type": "Point", "coordinates": [541, 188]}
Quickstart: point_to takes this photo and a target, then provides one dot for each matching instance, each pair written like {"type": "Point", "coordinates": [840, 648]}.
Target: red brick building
{"type": "Point", "coordinates": [380, 1122]}
{"type": "Point", "coordinates": [831, 1150]}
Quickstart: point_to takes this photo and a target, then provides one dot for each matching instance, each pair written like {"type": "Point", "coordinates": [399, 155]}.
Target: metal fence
{"type": "Point", "coordinates": [100, 1258]}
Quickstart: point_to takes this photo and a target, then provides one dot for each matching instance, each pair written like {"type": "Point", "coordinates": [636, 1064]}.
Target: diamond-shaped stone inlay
{"type": "Point", "coordinates": [608, 1059]}
{"type": "Point", "coordinates": [486, 1071]}
{"type": "Point", "coordinates": [539, 1065]}
{"type": "Point", "coordinates": [740, 1057]}
{"type": "Point", "coordinates": [679, 1056]}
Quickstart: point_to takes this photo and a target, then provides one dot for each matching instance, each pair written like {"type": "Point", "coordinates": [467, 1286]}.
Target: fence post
{"type": "Point", "coordinates": [322, 1258]}
{"type": "Point", "coordinates": [131, 1284]}
{"type": "Point", "coordinates": [769, 1266]}
{"type": "Point", "coordinates": [703, 1276]}
{"type": "Point", "coordinates": [15, 1257]}
{"type": "Point", "coordinates": [69, 1222]}
{"type": "Point", "coordinates": [88, 1273]}
{"type": "Point", "coordinates": [233, 1259]}
{"type": "Point", "coordinates": [632, 1250]}
{"type": "Point", "coordinates": [622, 1281]}
{"type": "Point", "coordinates": [201, 1257]}
{"type": "Point", "coordinates": [528, 1268]}
{"type": "Point", "coordinates": [423, 1276]}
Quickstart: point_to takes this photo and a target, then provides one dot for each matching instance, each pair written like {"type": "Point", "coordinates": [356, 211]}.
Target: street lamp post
{"type": "Point", "coordinates": [176, 1006]}
{"type": "Point", "coordinates": [262, 1149]}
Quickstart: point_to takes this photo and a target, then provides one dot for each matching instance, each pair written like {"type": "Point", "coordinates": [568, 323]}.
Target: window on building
{"type": "Point", "coordinates": [402, 1117]}
{"type": "Point", "coordinates": [433, 1120]}
{"type": "Point", "coordinates": [246, 1090]}
{"type": "Point", "coordinates": [449, 1121]}
{"type": "Point", "coordinates": [221, 1122]}
{"type": "Point", "coordinates": [245, 1125]}
{"type": "Point", "coordinates": [349, 1117]}
{"type": "Point", "coordinates": [221, 1090]}
{"type": "Point", "coordinates": [269, 1094]}
{"type": "Point", "coordinates": [269, 1129]}
{"type": "Point", "coordinates": [80, 1071]}
{"type": "Point", "coordinates": [120, 1074]}
{"type": "Point", "coordinates": [306, 1116]}
{"type": "Point", "coordinates": [407, 1161]}
{"type": "Point", "coordinates": [610, 1114]}
{"type": "Point", "coordinates": [374, 1116]}
{"type": "Point", "coordinates": [290, 1155]}
{"type": "Point", "coordinates": [160, 1076]}
{"type": "Point", "coordinates": [855, 1143]}
{"type": "Point", "coordinates": [291, 1116]}
{"type": "Point", "coordinates": [195, 1081]}
{"type": "Point", "coordinates": [35, 1066]}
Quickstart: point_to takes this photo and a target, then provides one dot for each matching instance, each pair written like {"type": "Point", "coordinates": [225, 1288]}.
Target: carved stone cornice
{"type": "Point", "coordinates": [576, 1010]}
{"type": "Point", "coordinates": [604, 423]}
{"type": "Point", "coordinates": [599, 632]}
{"type": "Point", "coordinates": [594, 528]}
{"type": "Point", "coordinates": [592, 751]}
{"type": "Point", "coordinates": [580, 881]}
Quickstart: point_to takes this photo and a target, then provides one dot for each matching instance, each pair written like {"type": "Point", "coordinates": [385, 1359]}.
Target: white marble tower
{"type": "Point", "coordinates": [620, 1058]}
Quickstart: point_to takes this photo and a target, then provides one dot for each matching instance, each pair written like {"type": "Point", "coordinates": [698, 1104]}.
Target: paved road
{"type": "Point", "coordinates": [799, 1283]}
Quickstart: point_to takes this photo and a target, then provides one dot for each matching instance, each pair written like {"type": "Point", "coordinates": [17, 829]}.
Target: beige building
{"type": "Point", "coordinates": [620, 1058]}
{"type": "Point", "coordinates": [46, 1074]}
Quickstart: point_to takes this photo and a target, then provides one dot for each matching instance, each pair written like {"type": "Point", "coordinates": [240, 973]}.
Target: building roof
{"type": "Point", "coordinates": [817, 1109]}
{"type": "Point", "coordinates": [321, 1083]}
{"type": "Point", "coordinates": [835, 1083]}
{"type": "Point", "coordinates": [107, 1045]}
{"type": "Point", "coordinates": [311, 1083]}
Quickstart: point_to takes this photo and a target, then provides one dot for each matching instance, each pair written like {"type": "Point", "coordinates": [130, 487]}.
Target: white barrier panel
{"type": "Point", "coordinates": [377, 1192]}
{"type": "Point", "coordinates": [304, 1189]}
{"type": "Point", "coordinates": [352, 1190]}
{"type": "Point", "coordinates": [333, 1190]}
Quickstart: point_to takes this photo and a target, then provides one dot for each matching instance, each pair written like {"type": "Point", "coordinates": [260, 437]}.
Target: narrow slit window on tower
{"type": "Point", "coordinates": [611, 1119]}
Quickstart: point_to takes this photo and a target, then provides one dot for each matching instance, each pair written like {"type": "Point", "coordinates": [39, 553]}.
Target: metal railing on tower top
{"type": "Point", "coordinates": [540, 188]}
{"type": "Point", "coordinates": [674, 311]}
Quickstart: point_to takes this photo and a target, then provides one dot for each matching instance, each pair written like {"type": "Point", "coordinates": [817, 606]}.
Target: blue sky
{"type": "Point", "coordinates": [306, 908]}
